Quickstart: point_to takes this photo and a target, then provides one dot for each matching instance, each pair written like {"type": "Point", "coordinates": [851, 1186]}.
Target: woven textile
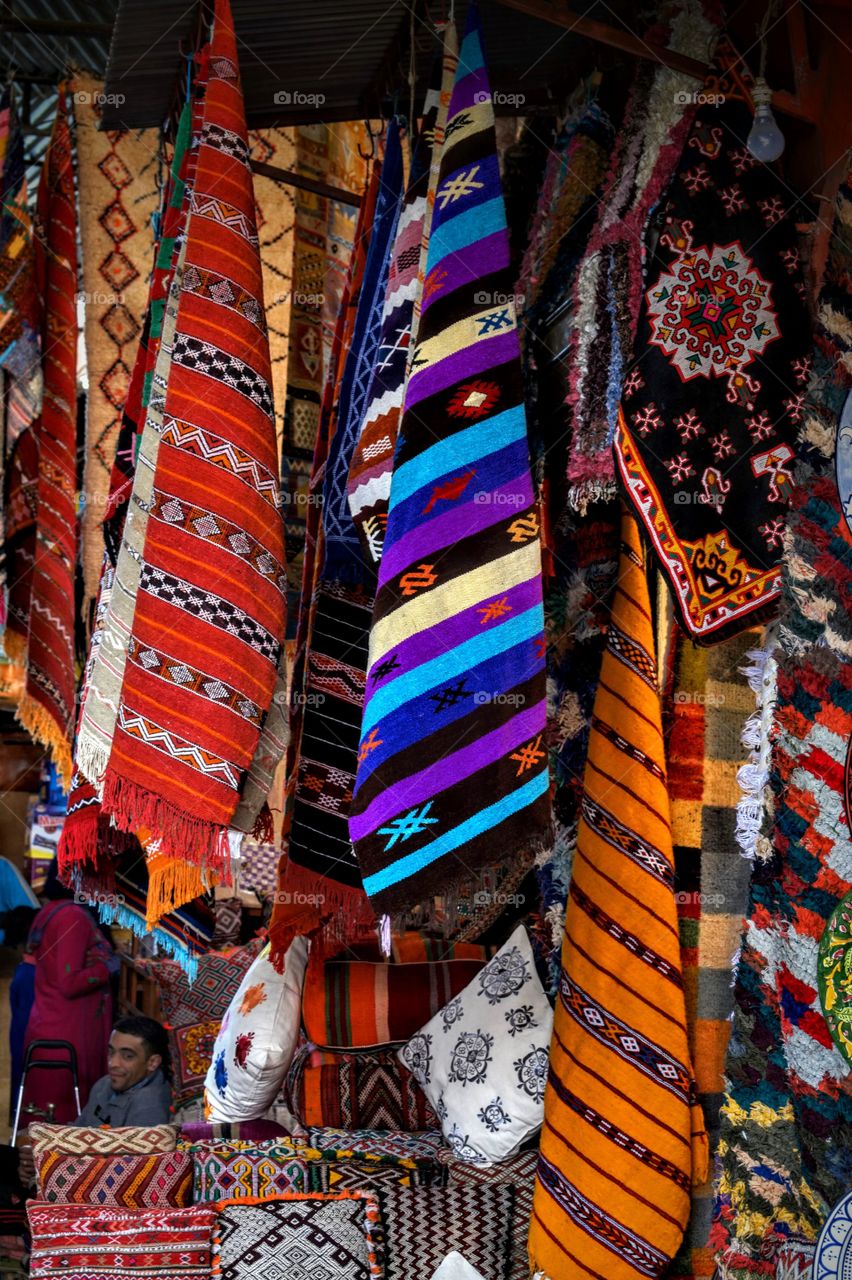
{"type": "Point", "coordinates": [258, 867]}
{"type": "Point", "coordinates": [19, 324]}
{"type": "Point", "coordinates": [63, 1139]}
{"type": "Point", "coordinates": [517, 1172]}
{"type": "Point", "coordinates": [219, 1173]}
{"type": "Point", "coordinates": [350, 1003]}
{"type": "Point", "coordinates": [296, 1238]}
{"type": "Point", "coordinates": [422, 1225]}
{"type": "Point", "coordinates": [608, 286]}
{"type": "Point", "coordinates": [212, 577]}
{"type": "Point", "coordinates": [22, 479]}
{"type": "Point", "coordinates": [117, 177]}
{"type": "Point", "coordinates": [214, 987]}
{"type": "Point", "coordinates": [710, 414]}
{"type": "Point", "coordinates": [191, 1049]}
{"type": "Point", "coordinates": [375, 1144]}
{"type": "Point", "coordinates": [368, 1090]}
{"type": "Point", "coordinates": [368, 485]}
{"type": "Point", "coordinates": [228, 914]}
{"type": "Point", "coordinates": [357, 1175]}
{"type": "Point", "coordinates": [786, 1153]}
{"type": "Point", "coordinates": [47, 708]}
{"type": "Point", "coordinates": [123, 1181]}
{"type": "Point", "coordinates": [80, 1242]}
{"type": "Point", "coordinates": [623, 1136]}
{"type": "Point", "coordinates": [458, 616]}
{"type": "Point", "coordinates": [710, 705]}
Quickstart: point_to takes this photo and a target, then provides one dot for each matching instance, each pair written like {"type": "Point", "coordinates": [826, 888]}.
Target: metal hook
{"type": "Point", "coordinates": [371, 154]}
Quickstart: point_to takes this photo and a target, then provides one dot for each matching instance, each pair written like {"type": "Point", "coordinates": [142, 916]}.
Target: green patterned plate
{"type": "Point", "coordinates": [834, 968]}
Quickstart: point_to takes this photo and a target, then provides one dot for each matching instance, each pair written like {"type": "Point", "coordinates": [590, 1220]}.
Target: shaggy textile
{"type": "Point", "coordinates": [343, 560]}
{"type": "Point", "coordinates": [80, 1242]}
{"type": "Point", "coordinates": [219, 1173]}
{"type": "Point", "coordinates": [709, 414]}
{"type": "Point", "coordinates": [710, 705]}
{"type": "Point", "coordinates": [786, 1155]}
{"type": "Point", "coordinates": [457, 645]}
{"type": "Point", "coordinates": [275, 216]}
{"type": "Point", "coordinates": [118, 195]}
{"type": "Point", "coordinates": [120, 1181]}
{"type": "Point", "coordinates": [47, 708]}
{"type": "Point", "coordinates": [623, 1137]}
{"type": "Point", "coordinates": [422, 1225]}
{"type": "Point", "coordinates": [209, 618]}
{"type": "Point", "coordinates": [214, 987]}
{"type": "Point", "coordinates": [609, 283]}
{"type": "Point", "coordinates": [191, 1050]}
{"type": "Point", "coordinates": [369, 1090]}
{"type": "Point", "coordinates": [368, 485]}
{"type": "Point", "coordinates": [753, 778]}
{"type": "Point", "coordinates": [297, 1238]}
{"type": "Point", "coordinates": [355, 1004]}
{"type": "Point", "coordinates": [517, 1172]}
{"type": "Point", "coordinates": [63, 1139]}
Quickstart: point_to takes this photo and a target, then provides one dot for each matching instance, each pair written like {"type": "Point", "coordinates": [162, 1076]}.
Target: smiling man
{"type": "Point", "coordinates": [135, 1090]}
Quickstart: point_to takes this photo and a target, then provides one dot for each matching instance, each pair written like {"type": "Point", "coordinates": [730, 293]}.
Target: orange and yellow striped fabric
{"type": "Point", "coordinates": [623, 1136]}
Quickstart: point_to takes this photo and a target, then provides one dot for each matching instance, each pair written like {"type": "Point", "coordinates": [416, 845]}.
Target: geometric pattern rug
{"type": "Point", "coordinates": [321, 1237]}
{"type": "Point", "coordinates": [80, 1242]}
{"type": "Point", "coordinates": [422, 1225]}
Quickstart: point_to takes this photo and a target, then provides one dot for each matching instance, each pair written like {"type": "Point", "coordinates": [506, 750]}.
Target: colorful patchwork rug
{"type": "Point", "coordinates": [623, 1139]}
{"type": "Point", "coordinates": [80, 1242]}
{"type": "Point", "coordinates": [786, 1150]}
{"type": "Point", "coordinates": [47, 708]}
{"type": "Point", "coordinates": [423, 1224]}
{"type": "Point", "coordinates": [118, 195]}
{"type": "Point", "coordinates": [297, 1237]}
{"type": "Point", "coordinates": [705, 753]}
{"type": "Point", "coordinates": [209, 616]}
{"type": "Point", "coordinates": [708, 416]}
{"type": "Point", "coordinates": [457, 644]}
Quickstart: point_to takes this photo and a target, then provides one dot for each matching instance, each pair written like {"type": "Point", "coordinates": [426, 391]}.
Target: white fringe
{"type": "Point", "coordinates": [753, 777]}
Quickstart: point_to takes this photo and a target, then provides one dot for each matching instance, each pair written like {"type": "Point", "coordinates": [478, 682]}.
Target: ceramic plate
{"type": "Point", "coordinates": [834, 1251]}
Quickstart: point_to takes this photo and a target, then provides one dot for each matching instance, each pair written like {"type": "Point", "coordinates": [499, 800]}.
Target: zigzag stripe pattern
{"type": "Point", "coordinates": [139, 726]}
{"type": "Point", "coordinates": [221, 453]}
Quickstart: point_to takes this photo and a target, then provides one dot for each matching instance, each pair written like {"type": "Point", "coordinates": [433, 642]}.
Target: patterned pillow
{"type": "Point", "coordinates": [333, 1235]}
{"type": "Point", "coordinates": [482, 1061]}
{"type": "Point", "coordinates": [192, 1053]}
{"type": "Point", "coordinates": [356, 1175]}
{"type": "Point", "coordinates": [358, 1090]}
{"type": "Point", "coordinates": [376, 1144]}
{"type": "Point", "coordinates": [248, 1131]}
{"type": "Point", "coordinates": [228, 917]}
{"type": "Point", "coordinates": [357, 1004]}
{"type": "Point", "coordinates": [64, 1139]}
{"type": "Point", "coordinates": [79, 1242]}
{"type": "Point", "coordinates": [127, 1182]}
{"type": "Point", "coordinates": [518, 1172]}
{"type": "Point", "coordinates": [421, 1226]}
{"type": "Point", "coordinates": [208, 997]}
{"type": "Point", "coordinates": [220, 1173]}
{"type": "Point", "coordinates": [257, 1039]}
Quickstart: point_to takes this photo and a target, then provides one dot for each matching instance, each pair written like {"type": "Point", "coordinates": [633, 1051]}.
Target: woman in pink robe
{"type": "Point", "coordinates": [73, 1002]}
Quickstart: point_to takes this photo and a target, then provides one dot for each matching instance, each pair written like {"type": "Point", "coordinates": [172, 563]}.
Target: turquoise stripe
{"type": "Point", "coordinates": [439, 670]}
{"type": "Point", "coordinates": [457, 451]}
{"type": "Point", "coordinates": [471, 57]}
{"type": "Point", "coordinates": [465, 831]}
{"type": "Point", "coordinates": [465, 229]}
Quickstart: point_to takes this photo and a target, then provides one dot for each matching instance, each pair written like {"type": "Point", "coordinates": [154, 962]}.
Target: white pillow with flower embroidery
{"type": "Point", "coordinates": [482, 1060]}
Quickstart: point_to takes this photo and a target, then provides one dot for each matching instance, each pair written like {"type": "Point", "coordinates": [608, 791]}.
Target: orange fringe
{"type": "Point", "coordinates": [43, 728]}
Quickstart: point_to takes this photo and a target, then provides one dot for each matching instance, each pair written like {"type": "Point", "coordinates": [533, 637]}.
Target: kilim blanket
{"type": "Point", "coordinates": [423, 1224]}
{"type": "Point", "coordinates": [705, 751]}
{"type": "Point", "coordinates": [786, 1147]}
{"type": "Point", "coordinates": [608, 287]}
{"type": "Point", "coordinates": [343, 560]}
{"type": "Point", "coordinates": [20, 345]}
{"type": "Point", "coordinates": [707, 423]}
{"type": "Point", "coordinates": [368, 485]}
{"type": "Point", "coordinates": [209, 617]}
{"type": "Point", "coordinates": [81, 1242]}
{"type": "Point", "coordinates": [457, 646]}
{"type": "Point", "coordinates": [623, 1138]}
{"type": "Point", "coordinates": [118, 195]}
{"type": "Point", "coordinates": [163, 1180]}
{"type": "Point", "coordinates": [47, 708]}
{"type": "Point", "coordinates": [518, 1172]}
{"type": "Point", "coordinates": [298, 1237]}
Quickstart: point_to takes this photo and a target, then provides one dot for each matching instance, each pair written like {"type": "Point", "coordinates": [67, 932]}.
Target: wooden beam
{"type": "Point", "coordinates": [559, 13]}
{"type": "Point", "coordinates": [290, 179]}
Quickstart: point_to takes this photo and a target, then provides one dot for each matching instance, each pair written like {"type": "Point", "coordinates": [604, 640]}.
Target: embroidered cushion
{"type": "Point", "coordinates": [207, 998]}
{"type": "Point", "coordinates": [354, 1175]}
{"type": "Point", "coordinates": [79, 1242]}
{"type": "Point", "coordinates": [257, 1039]}
{"type": "Point", "coordinates": [368, 1089]}
{"type": "Point", "coordinates": [129, 1182]}
{"type": "Point", "coordinates": [357, 1003]}
{"type": "Point", "coordinates": [482, 1061]}
{"type": "Point", "coordinates": [64, 1139]}
{"type": "Point", "coordinates": [423, 1225]}
{"type": "Point", "coordinates": [192, 1053]}
{"type": "Point", "coordinates": [300, 1237]}
{"type": "Point", "coordinates": [220, 1173]}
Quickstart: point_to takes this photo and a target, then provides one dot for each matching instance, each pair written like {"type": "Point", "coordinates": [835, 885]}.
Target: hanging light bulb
{"type": "Point", "coordinates": [766, 141]}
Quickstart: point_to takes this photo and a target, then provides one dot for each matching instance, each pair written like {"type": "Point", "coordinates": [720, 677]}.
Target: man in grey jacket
{"type": "Point", "coordinates": [135, 1090]}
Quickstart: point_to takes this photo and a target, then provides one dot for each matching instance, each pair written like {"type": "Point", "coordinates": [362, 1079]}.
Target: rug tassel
{"type": "Point", "coordinates": [172, 882]}
{"type": "Point", "coordinates": [42, 727]}
{"type": "Point", "coordinates": [179, 835]}
{"type": "Point", "coordinates": [15, 648]}
{"type": "Point", "coordinates": [116, 913]}
{"type": "Point", "coordinates": [78, 842]}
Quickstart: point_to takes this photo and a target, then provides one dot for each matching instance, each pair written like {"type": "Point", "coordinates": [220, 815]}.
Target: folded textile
{"type": "Point", "coordinates": [457, 646]}
{"type": "Point", "coordinates": [707, 423]}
